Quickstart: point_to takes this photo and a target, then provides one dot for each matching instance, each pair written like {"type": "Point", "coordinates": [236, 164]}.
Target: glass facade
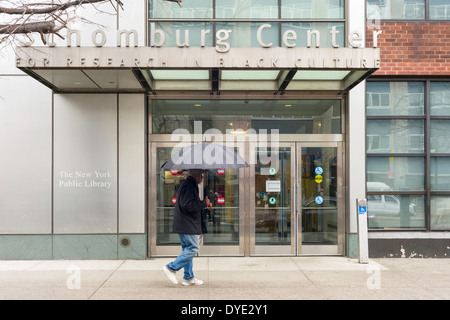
{"type": "Point", "coordinates": [439, 9]}
{"type": "Point", "coordinates": [408, 9]}
{"type": "Point", "coordinates": [408, 154]}
{"type": "Point", "coordinates": [232, 116]}
{"type": "Point", "coordinates": [244, 18]}
{"type": "Point", "coordinates": [222, 189]}
{"type": "Point", "coordinates": [319, 219]}
{"type": "Point", "coordinates": [273, 218]}
{"type": "Point", "coordinates": [306, 9]}
{"type": "Point", "coordinates": [249, 9]}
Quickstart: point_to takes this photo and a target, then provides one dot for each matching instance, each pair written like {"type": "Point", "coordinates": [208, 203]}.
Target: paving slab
{"type": "Point", "coordinates": [229, 278]}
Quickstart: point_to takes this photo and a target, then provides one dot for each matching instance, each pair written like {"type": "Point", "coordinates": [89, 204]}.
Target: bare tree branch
{"type": "Point", "coordinates": [44, 27]}
{"type": "Point", "coordinates": [25, 17]}
{"type": "Point", "coordinates": [47, 7]}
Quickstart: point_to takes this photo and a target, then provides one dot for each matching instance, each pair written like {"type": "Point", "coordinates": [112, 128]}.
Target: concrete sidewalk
{"type": "Point", "coordinates": [228, 278]}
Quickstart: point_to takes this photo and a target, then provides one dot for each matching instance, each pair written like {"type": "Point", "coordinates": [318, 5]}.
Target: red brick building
{"type": "Point", "coordinates": [413, 48]}
{"type": "Point", "coordinates": [407, 127]}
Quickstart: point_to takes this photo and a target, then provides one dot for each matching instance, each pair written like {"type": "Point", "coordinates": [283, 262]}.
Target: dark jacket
{"type": "Point", "coordinates": [187, 218]}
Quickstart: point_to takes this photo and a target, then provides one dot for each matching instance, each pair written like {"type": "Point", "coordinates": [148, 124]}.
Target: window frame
{"type": "Point", "coordinates": [279, 21]}
{"type": "Point", "coordinates": [425, 19]}
{"type": "Point", "coordinates": [427, 154]}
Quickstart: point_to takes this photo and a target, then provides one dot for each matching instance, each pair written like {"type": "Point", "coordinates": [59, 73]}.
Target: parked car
{"type": "Point", "coordinates": [383, 205]}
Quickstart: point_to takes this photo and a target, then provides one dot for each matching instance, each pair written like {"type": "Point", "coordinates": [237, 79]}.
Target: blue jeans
{"type": "Point", "coordinates": [190, 247]}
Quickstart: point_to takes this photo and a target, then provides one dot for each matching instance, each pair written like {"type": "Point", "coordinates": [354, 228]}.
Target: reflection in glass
{"type": "Point", "coordinates": [287, 116]}
{"type": "Point", "coordinates": [396, 9]}
{"type": "Point", "coordinates": [439, 10]}
{"type": "Point", "coordinates": [395, 173]}
{"type": "Point", "coordinates": [222, 188]}
{"type": "Point", "coordinates": [252, 9]}
{"type": "Point", "coordinates": [440, 136]}
{"type": "Point", "coordinates": [440, 97]}
{"type": "Point", "coordinates": [273, 197]}
{"type": "Point", "coordinates": [440, 174]}
{"type": "Point", "coordinates": [307, 9]}
{"type": "Point", "coordinates": [244, 34]}
{"type": "Point", "coordinates": [324, 28]}
{"type": "Point", "coordinates": [319, 196]}
{"type": "Point", "coordinates": [192, 9]}
{"type": "Point", "coordinates": [395, 211]}
{"type": "Point", "coordinates": [395, 136]}
{"type": "Point", "coordinates": [395, 98]}
{"type": "Point", "coordinates": [222, 221]}
{"type": "Point", "coordinates": [188, 33]}
{"type": "Point", "coordinates": [440, 212]}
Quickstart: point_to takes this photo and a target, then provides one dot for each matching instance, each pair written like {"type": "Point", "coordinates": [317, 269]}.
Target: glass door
{"type": "Point", "coordinates": [272, 200]}
{"type": "Point", "coordinates": [289, 201]}
{"type": "Point", "coordinates": [223, 221]}
{"type": "Point", "coordinates": [296, 200]}
{"type": "Point", "coordinates": [320, 186]}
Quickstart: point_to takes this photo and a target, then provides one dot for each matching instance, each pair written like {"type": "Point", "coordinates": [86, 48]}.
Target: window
{"type": "Point", "coordinates": [395, 136]}
{"type": "Point", "coordinates": [440, 98]}
{"type": "Point", "coordinates": [250, 9]}
{"type": "Point", "coordinates": [202, 19]}
{"type": "Point", "coordinates": [439, 10]}
{"type": "Point", "coordinates": [396, 9]}
{"type": "Point", "coordinates": [307, 9]}
{"type": "Point", "coordinates": [395, 98]}
{"type": "Point", "coordinates": [440, 174]}
{"type": "Point", "coordinates": [440, 206]}
{"type": "Point", "coordinates": [403, 158]}
{"type": "Point", "coordinates": [396, 173]}
{"type": "Point", "coordinates": [192, 9]}
{"type": "Point", "coordinates": [440, 136]}
{"type": "Point", "coordinates": [241, 116]}
{"type": "Point", "coordinates": [408, 9]}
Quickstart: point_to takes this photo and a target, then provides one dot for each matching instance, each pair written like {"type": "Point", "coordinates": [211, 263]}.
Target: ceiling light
{"type": "Point", "coordinates": [197, 105]}
{"type": "Point", "coordinates": [288, 105]}
{"type": "Point", "coordinates": [238, 131]}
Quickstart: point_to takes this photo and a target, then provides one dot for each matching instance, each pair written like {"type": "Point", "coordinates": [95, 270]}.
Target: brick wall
{"type": "Point", "coordinates": [413, 48]}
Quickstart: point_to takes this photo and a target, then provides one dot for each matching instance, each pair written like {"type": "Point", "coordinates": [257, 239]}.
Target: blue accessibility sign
{"type": "Point", "coordinates": [362, 210]}
{"type": "Point", "coordinates": [318, 200]}
{"type": "Point", "coordinates": [318, 170]}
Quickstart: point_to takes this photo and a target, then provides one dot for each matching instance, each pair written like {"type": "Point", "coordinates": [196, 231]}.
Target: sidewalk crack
{"type": "Point", "coordinates": [101, 285]}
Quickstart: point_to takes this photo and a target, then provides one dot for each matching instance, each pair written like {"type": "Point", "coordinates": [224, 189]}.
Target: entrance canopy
{"type": "Point", "coordinates": [172, 69]}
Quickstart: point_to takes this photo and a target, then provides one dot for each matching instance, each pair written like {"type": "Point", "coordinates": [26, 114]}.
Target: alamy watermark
{"type": "Point", "coordinates": [267, 143]}
{"type": "Point", "coordinates": [74, 280]}
{"type": "Point", "coordinates": [374, 280]}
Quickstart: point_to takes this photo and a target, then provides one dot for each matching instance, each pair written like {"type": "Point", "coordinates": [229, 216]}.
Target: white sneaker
{"type": "Point", "coordinates": [170, 274]}
{"type": "Point", "coordinates": [192, 282]}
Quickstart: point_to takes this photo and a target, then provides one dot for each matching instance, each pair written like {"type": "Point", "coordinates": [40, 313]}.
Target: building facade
{"type": "Point", "coordinates": [328, 101]}
{"type": "Point", "coordinates": [406, 127]}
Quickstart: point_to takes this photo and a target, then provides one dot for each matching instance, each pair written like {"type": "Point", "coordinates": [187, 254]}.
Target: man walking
{"type": "Point", "coordinates": [187, 222]}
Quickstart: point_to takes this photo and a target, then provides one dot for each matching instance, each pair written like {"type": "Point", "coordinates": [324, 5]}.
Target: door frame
{"type": "Point", "coordinates": [174, 250]}
{"type": "Point", "coordinates": [273, 250]}
{"type": "Point", "coordinates": [246, 246]}
{"type": "Point", "coordinates": [337, 249]}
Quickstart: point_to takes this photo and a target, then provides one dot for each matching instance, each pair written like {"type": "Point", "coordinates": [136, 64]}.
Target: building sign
{"type": "Point", "coordinates": [272, 200]}
{"type": "Point", "coordinates": [84, 179]}
{"type": "Point", "coordinates": [158, 38]}
{"type": "Point", "coordinates": [318, 200]}
{"type": "Point", "coordinates": [148, 57]}
{"type": "Point", "coordinates": [273, 186]}
{"type": "Point", "coordinates": [128, 53]}
{"type": "Point", "coordinates": [220, 200]}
